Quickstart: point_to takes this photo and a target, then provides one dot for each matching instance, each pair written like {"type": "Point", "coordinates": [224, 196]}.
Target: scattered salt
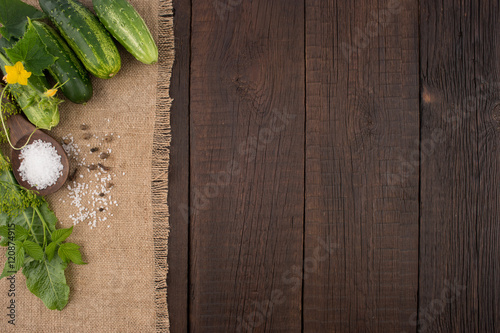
{"type": "Point", "coordinates": [89, 198]}
{"type": "Point", "coordinates": [41, 165]}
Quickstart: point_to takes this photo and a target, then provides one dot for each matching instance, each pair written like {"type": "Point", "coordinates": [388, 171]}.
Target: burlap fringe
{"type": "Point", "coordinates": [160, 166]}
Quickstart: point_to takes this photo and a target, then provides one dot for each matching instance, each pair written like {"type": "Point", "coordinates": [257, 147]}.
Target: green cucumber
{"type": "Point", "coordinates": [41, 111]}
{"type": "Point", "coordinates": [126, 25]}
{"type": "Point", "coordinates": [85, 35]}
{"type": "Point", "coordinates": [67, 68]}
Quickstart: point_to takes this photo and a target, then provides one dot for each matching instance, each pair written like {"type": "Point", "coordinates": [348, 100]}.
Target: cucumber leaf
{"type": "Point", "coordinates": [14, 16]}
{"type": "Point", "coordinates": [5, 44]}
{"type": "Point", "coordinates": [31, 52]}
{"type": "Point", "coordinates": [46, 280]}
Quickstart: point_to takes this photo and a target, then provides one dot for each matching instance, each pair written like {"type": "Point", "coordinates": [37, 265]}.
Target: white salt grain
{"type": "Point", "coordinates": [41, 165]}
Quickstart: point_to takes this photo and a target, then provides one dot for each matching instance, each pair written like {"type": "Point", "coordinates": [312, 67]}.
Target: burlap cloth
{"type": "Point", "coordinates": [123, 287]}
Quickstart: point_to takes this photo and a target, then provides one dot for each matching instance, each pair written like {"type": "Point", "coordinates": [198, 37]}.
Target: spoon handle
{"type": "Point", "coordinates": [19, 127]}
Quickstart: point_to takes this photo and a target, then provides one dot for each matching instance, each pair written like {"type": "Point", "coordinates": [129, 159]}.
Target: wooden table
{"type": "Point", "coordinates": [335, 166]}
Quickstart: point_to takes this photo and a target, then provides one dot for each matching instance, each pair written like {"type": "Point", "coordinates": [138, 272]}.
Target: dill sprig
{"type": "Point", "coordinates": [13, 197]}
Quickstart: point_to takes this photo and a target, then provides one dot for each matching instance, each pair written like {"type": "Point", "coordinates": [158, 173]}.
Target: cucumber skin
{"type": "Point", "coordinates": [41, 112]}
{"type": "Point", "coordinates": [67, 68]}
{"type": "Point", "coordinates": [85, 35]}
{"type": "Point", "coordinates": [121, 19]}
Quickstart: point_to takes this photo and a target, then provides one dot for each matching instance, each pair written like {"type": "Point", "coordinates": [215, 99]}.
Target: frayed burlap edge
{"type": "Point", "coordinates": [160, 162]}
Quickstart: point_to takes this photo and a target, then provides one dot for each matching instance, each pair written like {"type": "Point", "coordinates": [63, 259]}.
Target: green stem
{"type": "Point", "coordinates": [30, 225]}
{"type": "Point", "coordinates": [44, 226]}
{"type": "Point", "coordinates": [3, 123]}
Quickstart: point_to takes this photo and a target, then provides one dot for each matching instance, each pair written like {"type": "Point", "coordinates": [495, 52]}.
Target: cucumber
{"type": "Point", "coordinates": [67, 68]}
{"type": "Point", "coordinates": [85, 35]}
{"type": "Point", "coordinates": [126, 25]}
{"type": "Point", "coordinates": [41, 111]}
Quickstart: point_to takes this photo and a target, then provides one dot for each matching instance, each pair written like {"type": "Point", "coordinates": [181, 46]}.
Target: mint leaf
{"type": "Point", "coordinates": [46, 280]}
{"type": "Point", "coordinates": [19, 255]}
{"type": "Point", "coordinates": [13, 17]}
{"type": "Point", "coordinates": [32, 249]}
{"type": "Point", "coordinates": [20, 233]}
{"type": "Point", "coordinates": [70, 252]}
{"type": "Point", "coordinates": [50, 250]}
{"type": "Point", "coordinates": [60, 235]}
{"type": "Point", "coordinates": [31, 52]}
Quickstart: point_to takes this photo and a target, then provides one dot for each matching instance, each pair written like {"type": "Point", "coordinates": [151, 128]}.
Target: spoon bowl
{"type": "Point", "coordinates": [20, 131]}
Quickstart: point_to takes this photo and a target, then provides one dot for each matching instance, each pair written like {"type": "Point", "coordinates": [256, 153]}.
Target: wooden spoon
{"type": "Point", "coordinates": [20, 131]}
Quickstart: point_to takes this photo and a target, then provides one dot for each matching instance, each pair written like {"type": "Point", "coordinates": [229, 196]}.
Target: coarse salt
{"type": "Point", "coordinates": [91, 199]}
{"type": "Point", "coordinates": [41, 165]}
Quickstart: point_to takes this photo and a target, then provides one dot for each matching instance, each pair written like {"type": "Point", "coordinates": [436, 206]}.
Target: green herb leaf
{"type": "Point", "coordinates": [46, 280]}
{"type": "Point", "coordinates": [35, 224]}
{"type": "Point", "coordinates": [4, 231]}
{"type": "Point", "coordinates": [31, 52]}
{"type": "Point", "coordinates": [60, 235]}
{"type": "Point", "coordinates": [50, 250]}
{"type": "Point", "coordinates": [13, 17]}
{"type": "Point", "coordinates": [8, 269]}
{"type": "Point", "coordinates": [21, 233]}
{"type": "Point", "coordinates": [32, 249]}
{"type": "Point", "coordinates": [19, 255]}
{"type": "Point", "coordinates": [30, 220]}
{"type": "Point", "coordinates": [15, 259]}
{"type": "Point", "coordinates": [70, 252]}
{"type": "Point", "coordinates": [48, 216]}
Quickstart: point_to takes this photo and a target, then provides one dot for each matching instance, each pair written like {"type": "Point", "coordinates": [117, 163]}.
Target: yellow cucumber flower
{"type": "Point", "coordinates": [50, 93]}
{"type": "Point", "coordinates": [17, 74]}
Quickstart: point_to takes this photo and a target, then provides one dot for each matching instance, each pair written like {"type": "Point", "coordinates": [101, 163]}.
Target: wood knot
{"type": "Point", "coordinates": [495, 114]}
{"type": "Point", "coordinates": [428, 96]}
{"type": "Point", "coordinates": [365, 123]}
{"type": "Point", "coordinates": [490, 130]}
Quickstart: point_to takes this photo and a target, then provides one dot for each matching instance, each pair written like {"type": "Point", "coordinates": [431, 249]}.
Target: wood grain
{"type": "Point", "coordinates": [338, 164]}
{"type": "Point", "coordinates": [459, 280]}
{"type": "Point", "coordinates": [362, 116]}
{"type": "Point", "coordinates": [178, 255]}
{"type": "Point", "coordinates": [247, 165]}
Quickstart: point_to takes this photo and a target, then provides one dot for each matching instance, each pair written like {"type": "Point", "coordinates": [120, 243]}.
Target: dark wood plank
{"type": "Point", "coordinates": [361, 222]}
{"type": "Point", "coordinates": [178, 258]}
{"type": "Point", "coordinates": [247, 160]}
{"type": "Point", "coordinates": [460, 233]}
